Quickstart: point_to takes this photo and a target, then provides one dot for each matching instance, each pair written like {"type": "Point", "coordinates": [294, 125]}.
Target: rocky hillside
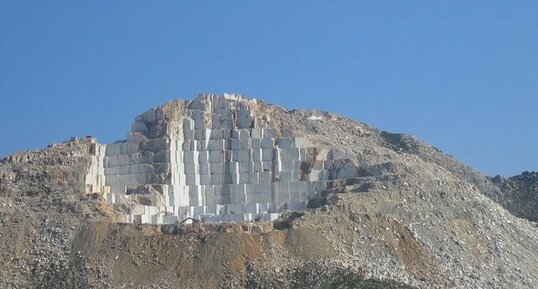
{"type": "Point", "coordinates": [42, 172]}
{"type": "Point", "coordinates": [413, 217]}
{"type": "Point", "coordinates": [519, 194]}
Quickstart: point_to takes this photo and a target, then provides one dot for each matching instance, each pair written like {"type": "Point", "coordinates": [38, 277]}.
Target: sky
{"type": "Point", "coordinates": [461, 75]}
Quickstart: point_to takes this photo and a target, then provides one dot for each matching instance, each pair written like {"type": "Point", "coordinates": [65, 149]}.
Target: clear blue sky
{"type": "Point", "coordinates": [462, 75]}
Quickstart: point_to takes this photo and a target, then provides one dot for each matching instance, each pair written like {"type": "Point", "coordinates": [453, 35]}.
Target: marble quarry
{"type": "Point", "coordinates": [213, 159]}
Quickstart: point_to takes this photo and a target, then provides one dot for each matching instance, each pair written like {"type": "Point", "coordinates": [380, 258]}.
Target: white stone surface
{"type": "Point", "coordinates": [214, 164]}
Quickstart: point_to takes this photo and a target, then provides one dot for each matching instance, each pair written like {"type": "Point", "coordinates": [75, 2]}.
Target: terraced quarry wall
{"type": "Point", "coordinates": [216, 159]}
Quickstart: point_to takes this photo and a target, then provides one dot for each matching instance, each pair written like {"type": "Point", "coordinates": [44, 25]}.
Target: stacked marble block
{"type": "Point", "coordinates": [126, 166]}
{"type": "Point", "coordinates": [95, 177]}
{"type": "Point", "coordinates": [253, 176]}
{"type": "Point", "coordinates": [217, 163]}
{"type": "Point", "coordinates": [233, 169]}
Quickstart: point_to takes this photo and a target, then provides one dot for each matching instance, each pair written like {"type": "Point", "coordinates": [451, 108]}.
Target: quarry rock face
{"type": "Point", "coordinates": [279, 198]}
{"type": "Point", "coordinates": [213, 159]}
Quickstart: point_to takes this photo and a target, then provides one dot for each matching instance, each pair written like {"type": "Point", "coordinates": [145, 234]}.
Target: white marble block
{"type": "Point", "coordinates": [285, 143]}
{"type": "Point", "coordinates": [267, 155]}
